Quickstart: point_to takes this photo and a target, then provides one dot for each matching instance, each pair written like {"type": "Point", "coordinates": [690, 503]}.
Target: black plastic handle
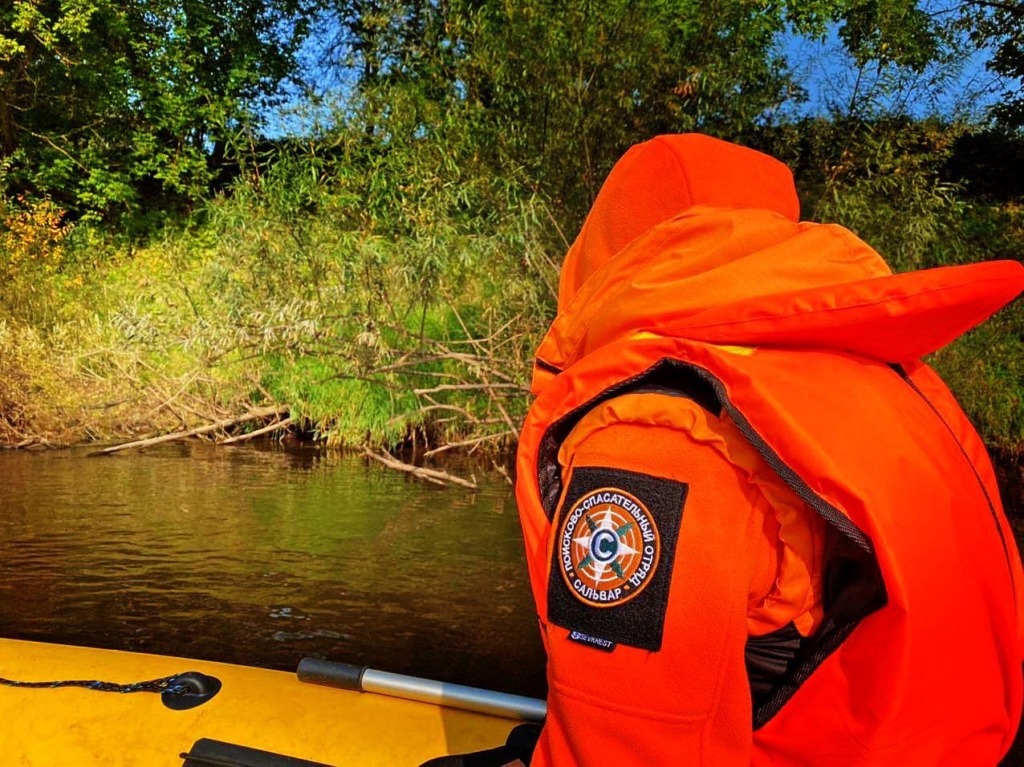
{"type": "Point", "coordinates": [332, 674]}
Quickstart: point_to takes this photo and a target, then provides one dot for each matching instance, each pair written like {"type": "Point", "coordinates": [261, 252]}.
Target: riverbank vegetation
{"type": "Point", "coordinates": [376, 270]}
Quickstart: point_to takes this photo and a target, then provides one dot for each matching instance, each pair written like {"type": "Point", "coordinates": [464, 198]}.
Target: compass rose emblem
{"type": "Point", "coordinates": [608, 547]}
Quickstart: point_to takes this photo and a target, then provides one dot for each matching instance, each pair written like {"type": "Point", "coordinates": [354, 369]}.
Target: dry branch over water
{"type": "Point", "coordinates": [430, 475]}
{"type": "Point", "coordinates": [257, 414]}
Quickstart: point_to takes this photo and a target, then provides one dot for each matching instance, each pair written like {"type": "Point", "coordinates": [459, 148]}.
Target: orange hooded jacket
{"type": "Point", "coordinates": [695, 298]}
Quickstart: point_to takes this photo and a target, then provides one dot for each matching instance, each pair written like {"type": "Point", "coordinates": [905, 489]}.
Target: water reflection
{"type": "Point", "coordinates": [261, 556]}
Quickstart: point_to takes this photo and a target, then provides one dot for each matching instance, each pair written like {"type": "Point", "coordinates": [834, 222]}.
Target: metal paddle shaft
{"type": "Point", "coordinates": [363, 679]}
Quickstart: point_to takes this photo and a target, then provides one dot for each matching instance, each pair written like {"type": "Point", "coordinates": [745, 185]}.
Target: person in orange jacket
{"type": "Point", "coordinates": [759, 530]}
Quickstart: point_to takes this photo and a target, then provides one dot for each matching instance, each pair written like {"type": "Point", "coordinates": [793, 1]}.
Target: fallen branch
{"type": "Point", "coordinates": [431, 475]}
{"type": "Point", "coordinates": [278, 425]}
{"type": "Point", "coordinates": [168, 400]}
{"type": "Point", "coordinates": [503, 472]}
{"type": "Point", "coordinates": [437, 406]}
{"type": "Point", "coordinates": [467, 442]}
{"type": "Point", "coordinates": [34, 443]}
{"type": "Point", "coordinates": [252, 415]}
{"type": "Point", "coordinates": [469, 387]}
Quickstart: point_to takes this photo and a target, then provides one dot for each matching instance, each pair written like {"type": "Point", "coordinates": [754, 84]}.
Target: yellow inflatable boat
{"type": "Point", "coordinates": [147, 710]}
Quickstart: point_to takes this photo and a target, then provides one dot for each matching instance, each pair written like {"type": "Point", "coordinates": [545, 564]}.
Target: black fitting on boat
{"type": "Point", "coordinates": [332, 674]}
{"type": "Point", "coordinates": [189, 690]}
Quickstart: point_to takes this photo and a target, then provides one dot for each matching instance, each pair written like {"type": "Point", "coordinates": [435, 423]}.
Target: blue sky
{"type": "Point", "coordinates": [822, 67]}
{"type": "Point", "coordinates": [961, 90]}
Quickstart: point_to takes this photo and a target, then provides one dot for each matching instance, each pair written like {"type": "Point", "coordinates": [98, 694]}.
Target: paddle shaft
{"type": "Point", "coordinates": [363, 679]}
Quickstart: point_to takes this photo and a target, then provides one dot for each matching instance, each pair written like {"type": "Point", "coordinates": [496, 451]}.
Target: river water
{"type": "Point", "coordinates": [264, 555]}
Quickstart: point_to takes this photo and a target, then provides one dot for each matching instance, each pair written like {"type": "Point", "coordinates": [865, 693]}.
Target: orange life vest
{"type": "Point", "coordinates": [797, 333]}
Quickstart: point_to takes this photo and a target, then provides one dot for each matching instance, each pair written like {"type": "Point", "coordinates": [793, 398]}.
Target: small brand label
{"type": "Point", "coordinates": [600, 644]}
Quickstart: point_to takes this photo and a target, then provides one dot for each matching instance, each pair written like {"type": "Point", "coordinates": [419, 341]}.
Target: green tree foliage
{"type": "Point", "coordinates": [892, 32]}
{"type": "Point", "coordinates": [562, 89]}
{"type": "Point", "coordinates": [868, 174]}
{"type": "Point", "coordinates": [999, 25]}
{"type": "Point", "coordinates": [391, 275]}
{"type": "Point", "coordinates": [109, 106]}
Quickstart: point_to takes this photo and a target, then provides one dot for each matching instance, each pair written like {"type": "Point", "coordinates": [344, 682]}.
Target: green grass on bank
{"type": "Point", "coordinates": [386, 297]}
{"type": "Point", "coordinates": [294, 290]}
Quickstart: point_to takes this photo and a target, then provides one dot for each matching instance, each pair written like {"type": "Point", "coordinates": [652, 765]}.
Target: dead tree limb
{"type": "Point", "coordinates": [253, 415]}
{"type": "Point", "coordinates": [431, 475]}
{"type": "Point", "coordinates": [438, 406]}
{"type": "Point", "coordinates": [469, 387]}
{"type": "Point", "coordinates": [276, 426]}
{"type": "Point", "coordinates": [467, 443]}
{"type": "Point", "coordinates": [503, 472]}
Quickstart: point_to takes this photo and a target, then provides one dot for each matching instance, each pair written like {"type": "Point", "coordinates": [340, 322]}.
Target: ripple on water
{"type": "Point", "coordinates": [255, 556]}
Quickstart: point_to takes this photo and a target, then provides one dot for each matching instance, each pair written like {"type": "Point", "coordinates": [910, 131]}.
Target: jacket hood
{"type": "Point", "coordinates": [698, 239]}
{"type": "Point", "coordinates": [663, 177]}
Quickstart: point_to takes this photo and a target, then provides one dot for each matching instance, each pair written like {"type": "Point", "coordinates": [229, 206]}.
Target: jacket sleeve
{"type": "Point", "coordinates": [659, 677]}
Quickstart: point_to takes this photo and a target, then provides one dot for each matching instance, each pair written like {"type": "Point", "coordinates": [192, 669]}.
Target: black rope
{"type": "Point", "coordinates": [167, 684]}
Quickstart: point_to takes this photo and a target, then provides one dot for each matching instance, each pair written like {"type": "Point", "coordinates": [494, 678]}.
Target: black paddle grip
{"type": "Point", "coordinates": [332, 674]}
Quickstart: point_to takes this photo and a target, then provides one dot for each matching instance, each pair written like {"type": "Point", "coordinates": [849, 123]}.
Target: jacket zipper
{"type": "Point", "coordinates": [829, 512]}
{"type": "Point", "coordinates": [984, 490]}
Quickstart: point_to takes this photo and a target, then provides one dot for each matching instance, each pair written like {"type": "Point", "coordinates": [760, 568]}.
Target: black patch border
{"type": "Point", "coordinates": [640, 621]}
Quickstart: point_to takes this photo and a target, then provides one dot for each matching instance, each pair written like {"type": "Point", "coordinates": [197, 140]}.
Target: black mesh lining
{"type": "Point", "coordinates": [853, 590]}
{"type": "Point", "coordinates": [547, 366]}
{"type": "Point", "coordinates": [853, 582]}
{"type": "Point", "coordinates": [768, 657]}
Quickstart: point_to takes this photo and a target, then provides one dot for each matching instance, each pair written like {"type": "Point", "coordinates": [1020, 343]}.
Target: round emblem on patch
{"type": "Point", "coordinates": [608, 547]}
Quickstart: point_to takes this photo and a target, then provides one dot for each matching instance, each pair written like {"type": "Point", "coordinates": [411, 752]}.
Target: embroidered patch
{"type": "Point", "coordinates": [614, 546]}
{"type": "Point", "coordinates": [608, 547]}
